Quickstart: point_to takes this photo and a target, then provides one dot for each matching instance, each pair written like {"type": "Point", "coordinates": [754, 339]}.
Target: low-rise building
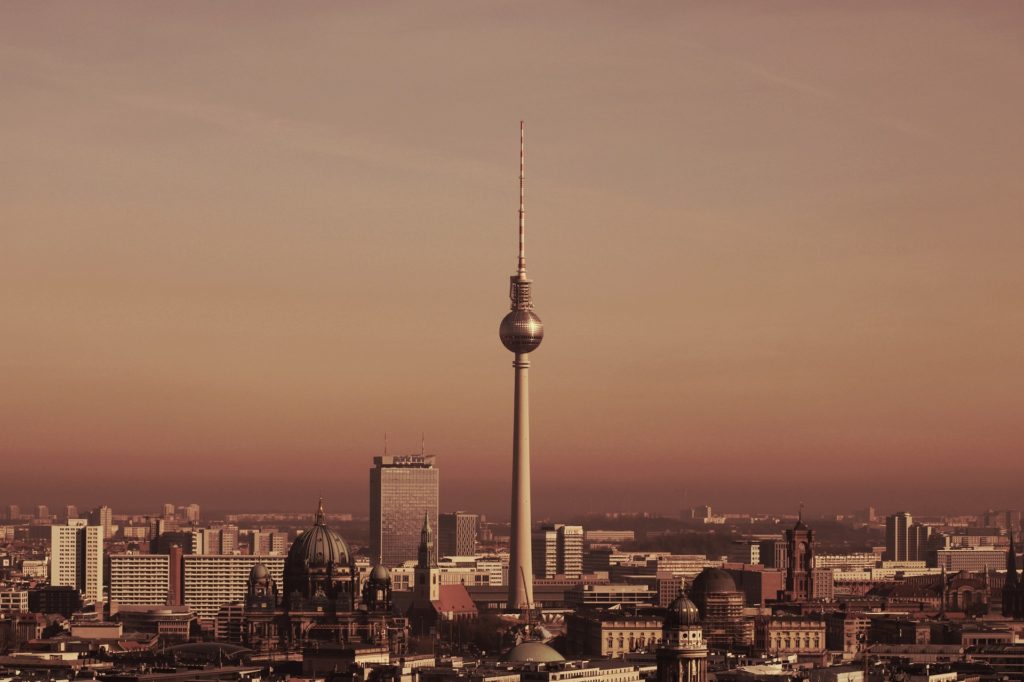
{"type": "Point", "coordinates": [606, 596]}
{"type": "Point", "coordinates": [610, 634]}
{"type": "Point", "coordinates": [13, 601]}
{"type": "Point", "coordinates": [800, 635]}
{"type": "Point", "coordinates": [846, 632]}
{"type": "Point", "coordinates": [171, 623]}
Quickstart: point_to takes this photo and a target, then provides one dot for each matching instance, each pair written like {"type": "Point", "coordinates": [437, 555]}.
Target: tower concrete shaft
{"type": "Point", "coordinates": [520, 579]}
{"type": "Point", "coordinates": [521, 331]}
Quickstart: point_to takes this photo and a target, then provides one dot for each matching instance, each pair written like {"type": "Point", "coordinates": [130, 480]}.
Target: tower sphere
{"type": "Point", "coordinates": [521, 331]}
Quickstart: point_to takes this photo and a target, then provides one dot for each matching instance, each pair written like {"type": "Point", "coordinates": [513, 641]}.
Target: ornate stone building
{"type": "Point", "coordinates": [682, 655]}
{"type": "Point", "coordinates": [322, 599]}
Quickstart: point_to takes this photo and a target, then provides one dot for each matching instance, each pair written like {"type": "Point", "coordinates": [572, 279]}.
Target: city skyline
{"type": "Point", "coordinates": [811, 252]}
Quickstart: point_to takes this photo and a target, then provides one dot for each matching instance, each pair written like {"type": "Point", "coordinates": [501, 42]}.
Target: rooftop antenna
{"type": "Point", "coordinates": [522, 198]}
{"type": "Point", "coordinates": [423, 444]}
{"type": "Point", "coordinates": [385, 443]}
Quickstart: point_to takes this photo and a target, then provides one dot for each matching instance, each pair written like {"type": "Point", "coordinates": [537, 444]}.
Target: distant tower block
{"type": "Point", "coordinates": [521, 332]}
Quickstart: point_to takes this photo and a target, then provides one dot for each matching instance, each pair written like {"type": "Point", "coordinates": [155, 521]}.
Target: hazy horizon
{"type": "Point", "coordinates": [776, 247]}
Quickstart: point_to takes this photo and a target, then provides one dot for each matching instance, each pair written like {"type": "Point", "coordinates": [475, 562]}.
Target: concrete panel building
{"type": "Point", "coordinates": [139, 579]}
{"type": "Point", "coordinates": [76, 558]}
{"type": "Point", "coordinates": [213, 580]}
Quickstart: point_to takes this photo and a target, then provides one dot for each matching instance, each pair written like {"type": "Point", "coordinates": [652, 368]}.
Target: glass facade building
{"type": "Point", "coordinates": [402, 489]}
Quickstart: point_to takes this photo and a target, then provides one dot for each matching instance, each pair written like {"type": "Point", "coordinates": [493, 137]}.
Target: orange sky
{"type": "Point", "coordinates": [777, 248]}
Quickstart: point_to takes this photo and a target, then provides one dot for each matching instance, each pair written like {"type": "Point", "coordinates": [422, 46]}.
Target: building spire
{"type": "Point", "coordinates": [319, 519]}
{"type": "Point", "coordinates": [522, 199]}
{"type": "Point", "coordinates": [426, 549]}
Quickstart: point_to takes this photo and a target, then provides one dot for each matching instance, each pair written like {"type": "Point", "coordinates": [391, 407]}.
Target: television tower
{"type": "Point", "coordinates": [521, 331]}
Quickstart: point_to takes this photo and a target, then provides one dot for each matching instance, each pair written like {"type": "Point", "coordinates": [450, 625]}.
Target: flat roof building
{"type": "Point", "coordinates": [403, 488]}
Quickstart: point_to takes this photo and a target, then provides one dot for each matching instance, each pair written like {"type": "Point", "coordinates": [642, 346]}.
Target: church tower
{"type": "Point", "coordinates": [428, 582]}
{"type": "Point", "coordinates": [800, 543]}
{"type": "Point", "coordinates": [682, 655]}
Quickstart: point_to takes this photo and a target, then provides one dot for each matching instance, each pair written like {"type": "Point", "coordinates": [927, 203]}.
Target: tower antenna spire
{"type": "Point", "coordinates": [521, 332]}
{"type": "Point", "coordinates": [522, 198]}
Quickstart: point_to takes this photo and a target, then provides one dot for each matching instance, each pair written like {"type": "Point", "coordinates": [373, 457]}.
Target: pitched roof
{"type": "Point", "coordinates": [454, 599]}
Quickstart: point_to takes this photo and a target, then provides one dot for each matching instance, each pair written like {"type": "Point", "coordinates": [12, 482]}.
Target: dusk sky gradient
{"type": "Point", "coordinates": [777, 248]}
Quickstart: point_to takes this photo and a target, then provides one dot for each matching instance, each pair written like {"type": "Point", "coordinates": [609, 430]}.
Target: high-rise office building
{"type": "Point", "coordinates": [76, 558]}
{"type": "Point", "coordinates": [558, 550]}
{"type": "Point", "coordinates": [139, 579]}
{"type": "Point", "coordinates": [904, 539]}
{"type": "Point", "coordinates": [521, 332]}
{"type": "Point", "coordinates": [228, 539]}
{"type": "Point", "coordinates": [267, 541]}
{"type": "Point", "coordinates": [70, 512]}
{"type": "Point", "coordinates": [103, 517]}
{"type": "Point", "coordinates": [745, 552]}
{"type": "Point", "coordinates": [456, 534]}
{"type": "Point", "coordinates": [897, 529]}
{"type": "Point", "coordinates": [919, 539]}
{"type": "Point", "coordinates": [13, 512]}
{"type": "Point", "coordinates": [192, 513]}
{"type": "Point", "coordinates": [402, 489]}
{"type": "Point", "coordinates": [215, 540]}
{"type": "Point", "coordinates": [544, 546]}
{"type": "Point", "coordinates": [42, 512]}
{"type": "Point", "coordinates": [168, 511]}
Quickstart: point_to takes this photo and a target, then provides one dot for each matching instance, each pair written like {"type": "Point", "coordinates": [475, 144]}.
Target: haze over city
{"type": "Point", "coordinates": [777, 250]}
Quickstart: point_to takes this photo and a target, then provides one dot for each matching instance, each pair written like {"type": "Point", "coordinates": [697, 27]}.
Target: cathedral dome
{"type": "Point", "coordinates": [380, 573]}
{"type": "Point", "coordinates": [712, 581]}
{"type": "Point", "coordinates": [318, 547]}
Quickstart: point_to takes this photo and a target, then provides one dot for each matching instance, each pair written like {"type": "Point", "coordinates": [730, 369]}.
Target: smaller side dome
{"type": "Point", "coordinates": [258, 572]}
{"type": "Point", "coordinates": [380, 573]}
{"type": "Point", "coordinates": [533, 652]}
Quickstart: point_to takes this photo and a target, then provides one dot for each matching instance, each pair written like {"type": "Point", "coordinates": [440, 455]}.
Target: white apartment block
{"type": "Point", "coordinates": [213, 580]}
{"type": "Point", "coordinates": [76, 558]}
{"type": "Point", "coordinates": [139, 579]}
